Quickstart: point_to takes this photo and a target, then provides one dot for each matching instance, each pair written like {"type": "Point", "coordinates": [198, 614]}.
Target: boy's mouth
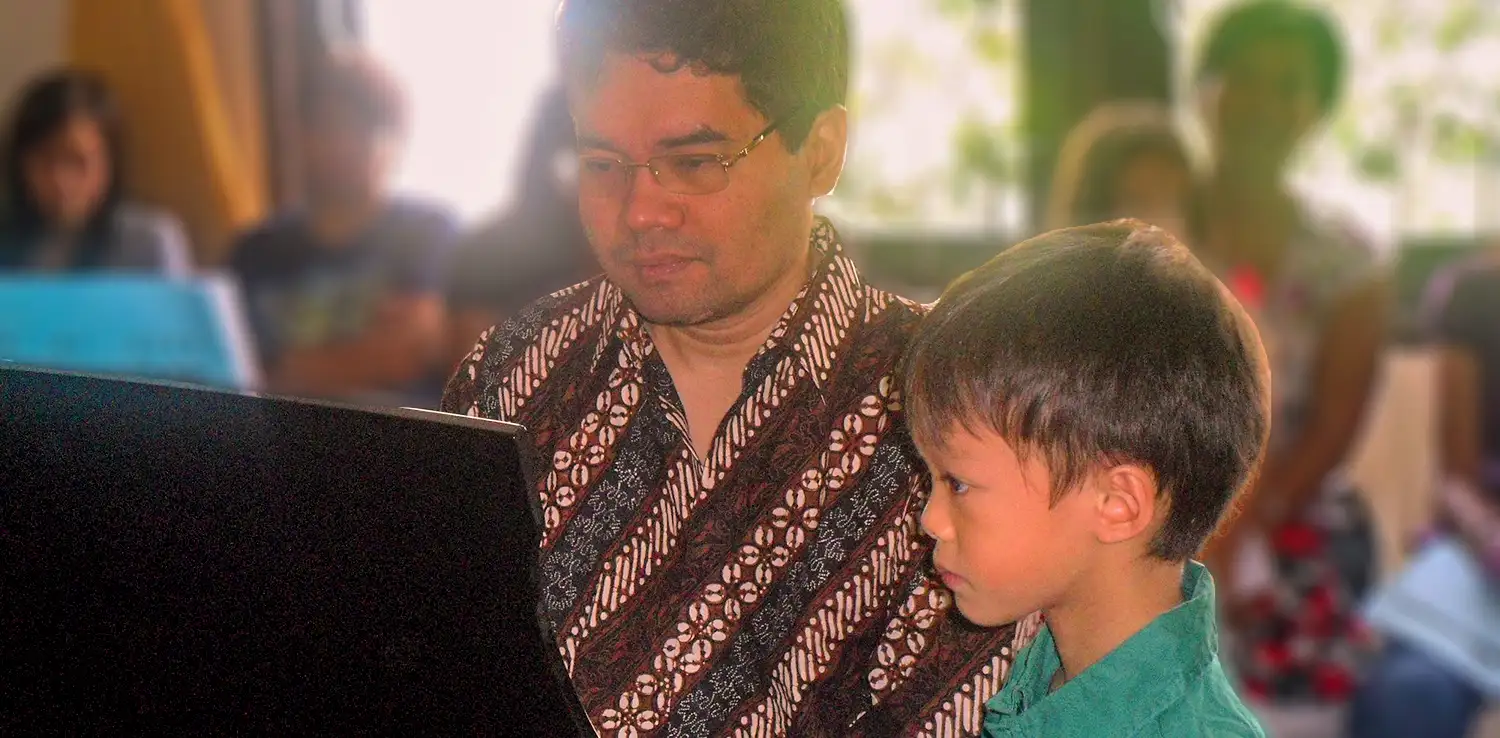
{"type": "Point", "coordinates": [950, 579]}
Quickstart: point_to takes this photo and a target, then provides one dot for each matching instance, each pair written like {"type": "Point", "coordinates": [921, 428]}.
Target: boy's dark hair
{"type": "Point", "coordinates": [792, 56]}
{"type": "Point", "coordinates": [356, 82]}
{"type": "Point", "coordinates": [1103, 344]}
{"type": "Point", "coordinates": [1248, 23]}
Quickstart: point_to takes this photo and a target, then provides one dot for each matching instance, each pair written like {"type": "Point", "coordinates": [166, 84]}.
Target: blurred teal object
{"type": "Point", "coordinates": [182, 330]}
{"type": "Point", "coordinates": [1445, 605]}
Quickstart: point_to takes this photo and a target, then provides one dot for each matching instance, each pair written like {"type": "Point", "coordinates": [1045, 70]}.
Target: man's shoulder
{"type": "Point", "coordinates": [889, 312]}
{"type": "Point", "coordinates": [886, 301]}
{"type": "Point", "coordinates": [546, 333]}
{"type": "Point", "coordinates": [887, 327]}
{"type": "Point", "coordinates": [582, 305]}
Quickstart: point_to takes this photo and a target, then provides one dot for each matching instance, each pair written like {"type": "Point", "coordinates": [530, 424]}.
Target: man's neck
{"type": "Point", "coordinates": [728, 344]}
{"type": "Point", "coordinates": [707, 362]}
{"type": "Point", "coordinates": [1113, 605]}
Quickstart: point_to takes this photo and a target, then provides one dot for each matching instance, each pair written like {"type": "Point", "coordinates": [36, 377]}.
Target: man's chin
{"type": "Point", "coordinates": [678, 307]}
{"type": "Point", "coordinates": [673, 313]}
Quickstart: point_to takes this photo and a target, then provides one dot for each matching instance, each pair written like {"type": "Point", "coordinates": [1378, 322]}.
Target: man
{"type": "Point", "coordinates": [729, 493]}
{"type": "Point", "coordinates": [346, 297]}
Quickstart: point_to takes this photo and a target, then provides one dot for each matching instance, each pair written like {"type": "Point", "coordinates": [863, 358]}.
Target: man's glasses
{"type": "Point", "coordinates": [683, 174]}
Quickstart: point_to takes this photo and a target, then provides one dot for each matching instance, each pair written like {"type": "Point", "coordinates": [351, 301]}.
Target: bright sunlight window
{"type": "Point", "coordinates": [474, 70]}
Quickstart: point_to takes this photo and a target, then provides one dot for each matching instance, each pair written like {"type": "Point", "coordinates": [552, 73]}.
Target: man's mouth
{"type": "Point", "coordinates": [657, 268]}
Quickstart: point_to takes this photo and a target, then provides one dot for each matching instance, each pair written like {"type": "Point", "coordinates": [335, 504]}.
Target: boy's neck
{"type": "Point", "coordinates": [1116, 603]}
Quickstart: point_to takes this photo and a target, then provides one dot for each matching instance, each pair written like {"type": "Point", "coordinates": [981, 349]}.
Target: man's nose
{"type": "Point", "coordinates": [648, 205]}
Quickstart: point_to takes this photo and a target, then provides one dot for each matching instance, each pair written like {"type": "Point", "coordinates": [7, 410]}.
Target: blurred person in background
{"type": "Point", "coordinates": [1124, 160]}
{"type": "Point", "coordinates": [65, 208]}
{"type": "Point", "coordinates": [535, 247]}
{"type": "Point", "coordinates": [1409, 692]}
{"type": "Point", "coordinates": [1271, 72]}
{"type": "Point", "coordinates": [345, 296]}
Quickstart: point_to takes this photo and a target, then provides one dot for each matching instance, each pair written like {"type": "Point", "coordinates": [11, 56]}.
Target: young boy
{"type": "Point", "coordinates": [1089, 402]}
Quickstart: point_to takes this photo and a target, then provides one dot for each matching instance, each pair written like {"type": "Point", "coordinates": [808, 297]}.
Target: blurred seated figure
{"type": "Point", "coordinates": [535, 247]}
{"type": "Point", "coordinates": [1124, 160]}
{"type": "Point", "coordinates": [345, 295]}
{"type": "Point", "coordinates": [1411, 692]}
{"type": "Point", "coordinates": [1270, 74]}
{"type": "Point", "coordinates": [65, 208]}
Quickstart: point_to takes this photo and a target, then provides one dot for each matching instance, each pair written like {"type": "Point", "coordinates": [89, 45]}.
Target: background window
{"type": "Point", "coordinates": [936, 113]}
{"type": "Point", "coordinates": [1412, 149]}
{"type": "Point", "coordinates": [474, 70]}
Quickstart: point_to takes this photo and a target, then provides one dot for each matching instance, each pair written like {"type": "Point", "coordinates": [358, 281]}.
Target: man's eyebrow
{"type": "Point", "coordinates": [595, 142]}
{"type": "Point", "coordinates": [703, 135]}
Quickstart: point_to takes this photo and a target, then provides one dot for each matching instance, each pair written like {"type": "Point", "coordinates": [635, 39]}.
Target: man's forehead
{"type": "Point", "coordinates": [633, 98]}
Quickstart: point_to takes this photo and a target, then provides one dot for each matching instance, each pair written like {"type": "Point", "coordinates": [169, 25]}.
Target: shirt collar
{"type": "Point", "coordinates": [1129, 686]}
{"type": "Point", "coordinates": [835, 288]}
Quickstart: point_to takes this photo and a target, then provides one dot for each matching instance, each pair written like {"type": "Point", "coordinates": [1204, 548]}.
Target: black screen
{"type": "Point", "coordinates": [186, 561]}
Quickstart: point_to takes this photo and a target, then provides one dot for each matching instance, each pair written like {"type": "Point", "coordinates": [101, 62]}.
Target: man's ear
{"type": "Point", "coordinates": [825, 149]}
{"type": "Point", "coordinates": [1127, 503]}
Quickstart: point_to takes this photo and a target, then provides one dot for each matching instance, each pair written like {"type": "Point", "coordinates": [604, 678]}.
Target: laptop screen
{"type": "Point", "coordinates": [182, 560]}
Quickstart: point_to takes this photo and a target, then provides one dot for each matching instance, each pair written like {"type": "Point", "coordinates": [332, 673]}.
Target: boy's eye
{"type": "Point", "coordinates": [955, 484]}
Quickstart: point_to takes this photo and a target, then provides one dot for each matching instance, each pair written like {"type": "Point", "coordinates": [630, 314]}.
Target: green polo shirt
{"type": "Point", "coordinates": [1164, 681]}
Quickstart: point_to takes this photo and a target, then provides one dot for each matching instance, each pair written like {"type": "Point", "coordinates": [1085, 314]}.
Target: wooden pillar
{"type": "Point", "coordinates": [1080, 53]}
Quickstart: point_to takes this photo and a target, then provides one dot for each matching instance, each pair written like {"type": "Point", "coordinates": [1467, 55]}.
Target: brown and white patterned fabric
{"type": "Point", "coordinates": [777, 585]}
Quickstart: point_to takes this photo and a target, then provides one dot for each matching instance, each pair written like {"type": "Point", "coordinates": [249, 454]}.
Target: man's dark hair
{"type": "Point", "coordinates": [1100, 345]}
{"type": "Point", "coordinates": [792, 56]}
{"type": "Point", "coordinates": [1252, 22]}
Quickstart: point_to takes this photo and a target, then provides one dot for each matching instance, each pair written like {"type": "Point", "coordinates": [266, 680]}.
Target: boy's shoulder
{"type": "Point", "coordinates": [1210, 709]}
{"type": "Point", "coordinates": [1166, 680]}
{"type": "Point", "coordinates": [1171, 679]}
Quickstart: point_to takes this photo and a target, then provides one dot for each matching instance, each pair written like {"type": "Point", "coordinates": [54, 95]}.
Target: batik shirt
{"type": "Point", "coordinates": [778, 583]}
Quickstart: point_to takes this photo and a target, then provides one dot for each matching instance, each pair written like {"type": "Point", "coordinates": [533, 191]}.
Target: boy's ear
{"type": "Point", "coordinates": [1127, 503]}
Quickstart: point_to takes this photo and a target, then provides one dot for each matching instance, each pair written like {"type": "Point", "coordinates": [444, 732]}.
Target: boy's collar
{"type": "Point", "coordinates": [1131, 684]}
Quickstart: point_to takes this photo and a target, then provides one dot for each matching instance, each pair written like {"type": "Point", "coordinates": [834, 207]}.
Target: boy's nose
{"type": "Point", "coordinates": [935, 521]}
